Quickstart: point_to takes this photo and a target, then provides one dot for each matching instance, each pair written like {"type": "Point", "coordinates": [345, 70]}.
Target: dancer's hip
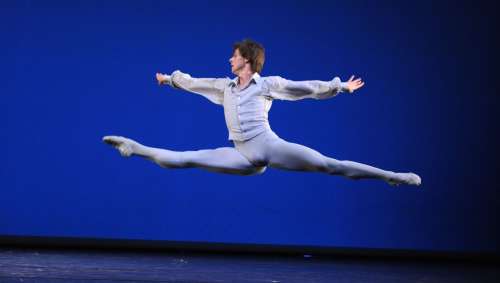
{"type": "Point", "coordinates": [257, 149]}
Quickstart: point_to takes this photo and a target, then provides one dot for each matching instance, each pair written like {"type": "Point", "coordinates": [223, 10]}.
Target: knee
{"type": "Point", "coordinates": [333, 166]}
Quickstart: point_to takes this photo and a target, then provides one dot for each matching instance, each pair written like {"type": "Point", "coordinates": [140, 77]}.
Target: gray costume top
{"type": "Point", "coordinates": [246, 110]}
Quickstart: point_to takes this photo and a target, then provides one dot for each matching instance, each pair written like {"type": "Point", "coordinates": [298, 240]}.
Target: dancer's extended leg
{"type": "Point", "coordinates": [222, 160]}
{"type": "Point", "coordinates": [292, 156]}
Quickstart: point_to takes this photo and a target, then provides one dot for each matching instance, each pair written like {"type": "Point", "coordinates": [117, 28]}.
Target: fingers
{"type": "Point", "coordinates": [159, 78]}
{"type": "Point", "coordinates": [357, 81]}
{"type": "Point", "coordinates": [358, 86]}
{"type": "Point", "coordinates": [355, 84]}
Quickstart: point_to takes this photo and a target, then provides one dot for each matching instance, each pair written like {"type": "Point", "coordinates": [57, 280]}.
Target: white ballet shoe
{"type": "Point", "coordinates": [124, 145]}
{"type": "Point", "coordinates": [414, 179]}
{"type": "Point", "coordinates": [405, 178]}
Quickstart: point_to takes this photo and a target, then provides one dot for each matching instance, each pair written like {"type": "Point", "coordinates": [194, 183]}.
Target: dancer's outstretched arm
{"type": "Point", "coordinates": [211, 88]}
{"type": "Point", "coordinates": [284, 89]}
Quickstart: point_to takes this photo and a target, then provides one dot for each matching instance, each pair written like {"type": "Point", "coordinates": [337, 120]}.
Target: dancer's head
{"type": "Point", "coordinates": [248, 55]}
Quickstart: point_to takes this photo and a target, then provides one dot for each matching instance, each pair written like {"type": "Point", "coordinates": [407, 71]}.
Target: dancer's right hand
{"type": "Point", "coordinates": [162, 78]}
{"type": "Point", "coordinates": [353, 85]}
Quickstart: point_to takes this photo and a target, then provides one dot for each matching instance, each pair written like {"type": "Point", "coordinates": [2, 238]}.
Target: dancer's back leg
{"type": "Point", "coordinates": [222, 160]}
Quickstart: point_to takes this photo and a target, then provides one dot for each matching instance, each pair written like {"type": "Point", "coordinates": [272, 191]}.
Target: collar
{"type": "Point", "coordinates": [255, 77]}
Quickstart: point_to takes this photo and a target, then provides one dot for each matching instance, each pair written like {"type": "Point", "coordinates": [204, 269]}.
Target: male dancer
{"type": "Point", "coordinates": [246, 100]}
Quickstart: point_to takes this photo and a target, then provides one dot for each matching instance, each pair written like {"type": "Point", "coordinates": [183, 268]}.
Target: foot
{"type": "Point", "coordinates": [124, 145]}
{"type": "Point", "coordinates": [404, 178]}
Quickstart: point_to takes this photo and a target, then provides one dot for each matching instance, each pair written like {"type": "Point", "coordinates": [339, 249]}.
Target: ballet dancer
{"type": "Point", "coordinates": [246, 100]}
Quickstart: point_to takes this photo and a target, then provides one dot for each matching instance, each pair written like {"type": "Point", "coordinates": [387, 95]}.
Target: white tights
{"type": "Point", "coordinates": [253, 156]}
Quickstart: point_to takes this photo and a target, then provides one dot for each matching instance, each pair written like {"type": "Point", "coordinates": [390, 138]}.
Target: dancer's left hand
{"type": "Point", "coordinates": [353, 85]}
{"type": "Point", "coordinates": [161, 78]}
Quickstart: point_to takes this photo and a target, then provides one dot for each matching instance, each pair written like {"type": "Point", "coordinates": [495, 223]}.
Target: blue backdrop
{"type": "Point", "coordinates": [74, 71]}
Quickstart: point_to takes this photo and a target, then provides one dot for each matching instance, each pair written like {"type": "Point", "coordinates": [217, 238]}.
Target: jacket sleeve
{"type": "Point", "coordinates": [283, 89]}
{"type": "Point", "coordinates": [210, 88]}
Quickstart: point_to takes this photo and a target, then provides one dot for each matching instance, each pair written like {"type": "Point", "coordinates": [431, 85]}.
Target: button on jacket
{"type": "Point", "coordinates": [246, 110]}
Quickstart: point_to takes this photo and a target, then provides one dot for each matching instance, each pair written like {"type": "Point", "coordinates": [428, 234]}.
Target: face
{"type": "Point", "coordinates": [237, 62]}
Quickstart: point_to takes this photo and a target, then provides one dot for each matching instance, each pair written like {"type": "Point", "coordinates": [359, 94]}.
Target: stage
{"type": "Point", "coordinates": [33, 264]}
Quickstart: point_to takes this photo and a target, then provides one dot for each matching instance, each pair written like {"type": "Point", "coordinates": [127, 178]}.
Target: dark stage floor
{"type": "Point", "coordinates": [91, 265]}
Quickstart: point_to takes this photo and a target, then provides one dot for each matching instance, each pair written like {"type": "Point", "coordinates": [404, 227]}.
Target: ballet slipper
{"type": "Point", "coordinates": [124, 145]}
{"type": "Point", "coordinates": [405, 178]}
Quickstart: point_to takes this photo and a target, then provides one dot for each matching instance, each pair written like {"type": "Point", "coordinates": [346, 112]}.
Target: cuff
{"type": "Point", "coordinates": [170, 80]}
{"type": "Point", "coordinates": [343, 87]}
{"type": "Point", "coordinates": [337, 85]}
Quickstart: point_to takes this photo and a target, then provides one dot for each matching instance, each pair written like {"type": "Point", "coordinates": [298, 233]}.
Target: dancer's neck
{"type": "Point", "coordinates": [244, 78]}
